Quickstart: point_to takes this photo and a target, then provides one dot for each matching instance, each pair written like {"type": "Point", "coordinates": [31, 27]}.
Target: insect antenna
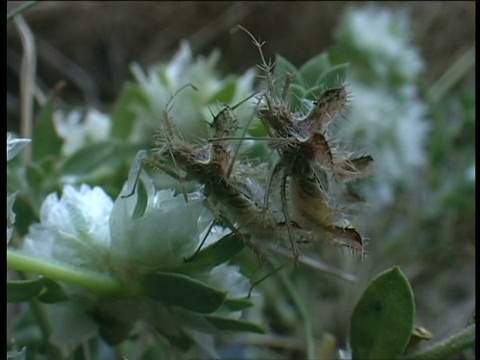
{"type": "Point", "coordinates": [264, 67]}
{"type": "Point", "coordinates": [168, 128]}
{"type": "Point", "coordinates": [245, 129]}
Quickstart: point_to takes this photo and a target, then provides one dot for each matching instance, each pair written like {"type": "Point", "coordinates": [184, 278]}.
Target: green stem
{"type": "Point", "coordinates": [43, 322]}
{"type": "Point", "coordinates": [21, 9]}
{"type": "Point", "coordinates": [454, 74]}
{"type": "Point", "coordinates": [90, 280]}
{"type": "Point", "coordinates": [300, 305]}
{"type": "Point", "coordinates": [459, 342]}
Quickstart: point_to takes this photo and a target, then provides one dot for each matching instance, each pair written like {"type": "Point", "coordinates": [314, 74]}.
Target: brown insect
{"type": "Point", "coordinates": [308, 162]}
{"type": "Point", "coordinates": [232, 191]}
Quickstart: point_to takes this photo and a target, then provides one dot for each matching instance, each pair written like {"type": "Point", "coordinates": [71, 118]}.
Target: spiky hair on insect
{"type": "Point", "coordinates": [312, 168]}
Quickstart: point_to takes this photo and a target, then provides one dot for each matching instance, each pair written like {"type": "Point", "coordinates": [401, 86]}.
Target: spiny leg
{"type": "Point", "coordinates": [168, 129]}
{"type": "Point", "coordinates": [283, 197]}
{"type": "Point", "coordinates": [232, 161]}
{"type": "Point", "coordinates": [272, 174]}
{"type": "Point", "coordinates": [221, 217]}
{"type": "Point", "coordinates": [256, 283]}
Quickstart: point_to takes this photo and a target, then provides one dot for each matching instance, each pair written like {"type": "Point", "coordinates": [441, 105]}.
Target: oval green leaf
{"type": "Point", "coordinates": [237, 304]}
{"type": "Point", "coordinates": [332, 77]}
{"type": "Point", "coordinates": [383, 319]}
{"type": "Point", "coordinates": [296, 96]}
{"type": "Point", "coordinates": [225, 94]}
{"type": "Point", "coordinates": [91, 157]}
{"type": "Point", "coordinates": [282, 69]}
{"type": "Point", "coordinates": [45, 140]}
{"type": "Point", "coordinates": [183, 291]}
{"type": "Point", "coordinates": [313, 68]}
{"type": "Point", "coordinates": [23, 290]}
{"type": "Point", "coordinates": [52, 292]}
{"type": "Point", "coordinates": [219, 252]}
{"type": "Point", "coordinates": [124, 114]}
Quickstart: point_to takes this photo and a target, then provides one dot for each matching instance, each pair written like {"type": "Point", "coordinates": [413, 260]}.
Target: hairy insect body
{"type": "Point", "coordinates": [309, 164]}
{"type": "Point", "coordinates": [234, 196]}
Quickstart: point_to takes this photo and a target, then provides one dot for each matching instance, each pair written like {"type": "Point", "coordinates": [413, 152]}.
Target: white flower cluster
{"type": "Point", "coordinates": [79, 129]}
{"type": "Point", "coordinates": [387, 117]}
{"type": "Point", "coordinates": [383, 39]}
{"type": "Point", "coordinates": [191, 109]}
{"type": "Point", "coordinates": [85, 229]}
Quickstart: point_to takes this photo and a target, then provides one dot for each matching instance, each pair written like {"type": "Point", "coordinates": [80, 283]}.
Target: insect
{"type": "Point", "coordinates": [231, 188]}
{"type": "Point", "coordinates": [308, 161]}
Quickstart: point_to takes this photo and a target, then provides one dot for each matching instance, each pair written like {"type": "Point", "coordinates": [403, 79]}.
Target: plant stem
{"type": "Point", "coordinates": [459, 342]}
{"type": "Point", "coordinates": [90, 280]}
{"type": "Point", "coordinates": [300, 305]}
{"type": "Point", "coordinates": [21, 9]}
{"type": "Point", "coordinates": [454, 74]}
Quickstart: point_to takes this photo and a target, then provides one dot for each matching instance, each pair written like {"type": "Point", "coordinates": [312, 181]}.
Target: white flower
{"type": "Point", "coordinates": [14, 146]}
{"type": "Point", "coordinates": [74, 229]}
{"type": "Point", "coordinates": [382, 37]}
{"type": "Point", "coordinates": [393, 129]}
{"type": "Point", "coordinates": [165, 233]}
{"type": "Point", "coordinates": [191, 110]}
{"type": "Point", "coordinates": [78, 129]}
{"type": "Point", "coordinates": [229, 278]}
{"type": "Point", "coordinates": [10, 216]}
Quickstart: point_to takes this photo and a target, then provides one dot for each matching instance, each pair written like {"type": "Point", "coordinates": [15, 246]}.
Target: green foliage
{"type": "Point", "coordinates": [180, 290]}
{"type": "Point", "coordinates": [383, 319]}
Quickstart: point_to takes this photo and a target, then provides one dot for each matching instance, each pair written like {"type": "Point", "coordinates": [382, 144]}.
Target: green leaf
{"type": "Point", "coordinates": [237, 304]}
{"type": "Point", "coordinates": [296, 96]}
{"type": "Point", "coordinates": [142, 201]}
{"type": "Point", "coordinates": [313, 67]}
{"type": "Point", "coordinates": [332, 77]}
{"type": "Point", "coordinates": [283, 68]}
{"type": "Point", "coordinates": [16, 354]}
{"type": "Point", "coordinates": [35, 176]}
{"type": "Point", "coordinates": [23, 290]}
{"type": "Point", "coordinates": [225, 94]}
{"type": "Point", "coordinates": [314, 92]}
{"type": "Point", "coordinates": [91, 157]}
{"type": "Point", "coordinates": [52, 292]}
{"type": "Point", "coordinates": [228, 324]}
{"type": "Point", "coordinates": [115, 318]}
{"type": "Point", "coordinates": [45, 140]}
{"type": "Point", "coordinates": [183, 291]}
{"type": "Point", "coordinates": [47, 290]}
{"type": "Point", "coordinates": [124, 114]}
{"type": "Point", "coordinates": [382, 321]}
{"type": "Point", "coordinates": [220, 252]}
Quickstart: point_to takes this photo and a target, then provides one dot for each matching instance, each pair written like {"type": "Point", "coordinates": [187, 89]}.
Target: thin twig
{"type": "Point", "coordinates": [21, 9]}
{"type": "Point", "coordinates": [27, 82]}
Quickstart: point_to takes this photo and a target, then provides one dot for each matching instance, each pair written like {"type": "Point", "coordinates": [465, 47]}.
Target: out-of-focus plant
{"type": "Point", "coordinates": [137, 110]}
{"type": "Point", "coordinates": [387, 118]}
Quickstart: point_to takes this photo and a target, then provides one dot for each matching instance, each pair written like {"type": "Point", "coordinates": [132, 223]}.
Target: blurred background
{"type": "Point", "coordinates": [427, 222]}
{"type": "Point", "coordinates": [91, 44]}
